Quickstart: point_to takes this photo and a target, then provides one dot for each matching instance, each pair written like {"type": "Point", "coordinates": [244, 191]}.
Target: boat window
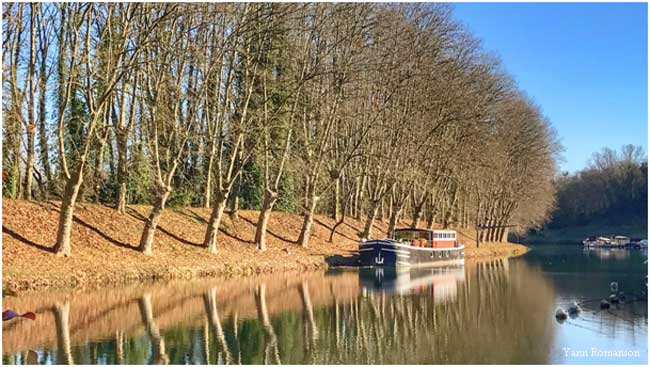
{"type": "Point", "coordinates": [411, 235]}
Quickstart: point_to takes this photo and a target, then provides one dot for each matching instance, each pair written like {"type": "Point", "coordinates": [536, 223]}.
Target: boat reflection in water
{"type": "Point", "coordinates": [442, 282]}
{"type": "Point", "coordinates": [608, 253]}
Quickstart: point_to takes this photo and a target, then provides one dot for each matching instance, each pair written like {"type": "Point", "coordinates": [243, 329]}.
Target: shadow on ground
{"type": "Point", "coordinates": [340, 260]}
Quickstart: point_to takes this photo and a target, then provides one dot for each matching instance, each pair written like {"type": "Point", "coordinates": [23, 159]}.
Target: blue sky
{"type": "Point", "coordinates": [584, 64]}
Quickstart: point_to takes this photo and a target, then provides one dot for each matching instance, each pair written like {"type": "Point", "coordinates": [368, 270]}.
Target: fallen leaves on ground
{"type": "Point", "coordinates": [104, 245]}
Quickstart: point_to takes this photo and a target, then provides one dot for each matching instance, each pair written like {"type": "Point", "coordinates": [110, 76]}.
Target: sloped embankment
{"type": "Point", "coordinates": [104, 245]}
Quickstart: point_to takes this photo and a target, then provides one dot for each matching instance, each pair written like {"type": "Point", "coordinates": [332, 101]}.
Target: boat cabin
{"type": "Point", "coordinates": [432, 238]}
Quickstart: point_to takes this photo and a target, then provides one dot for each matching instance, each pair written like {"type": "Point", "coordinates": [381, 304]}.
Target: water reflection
{"type": "Point", "coordinates": [607, 253]}
{"type": "Point", "coordinates": [61, 316]}
{"type": "Point", "coordinates": [442, 281]}
{"type": "Point", "coordinates": [476, 314]}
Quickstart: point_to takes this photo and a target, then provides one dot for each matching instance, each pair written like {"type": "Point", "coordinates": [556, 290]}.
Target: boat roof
{"type": "Point", "coordinates": [425, 230]}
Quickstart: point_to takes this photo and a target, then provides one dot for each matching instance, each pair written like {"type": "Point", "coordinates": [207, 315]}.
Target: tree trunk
{"type": "Point", "coordinates": [146, 241]}
{"type": "Point", "coordinates": [504, 234]}
{"type": "Point", "coordinates": [498, 234]}
{"type": "Point", "coordinates": [218, 207]}
{"type": "Point", "coordinates": [236, 187]}
{"type": "Point", "coordinates": [42, 117]}
{"type": "Point", "coordinates": [121, 198]}
{"type": "Point", "coordinates": [207, 196]}
{"type": "Point", "coordinates": [358, 201]}
{"type": "Point", "coordinates": [370, 220]}
{"type": "Point", "coordinates": [417, 214]}
{"type": "Point", "coordinates": [45, 159]}
{"type": "Point", "coordinates": [392, 223]}
{"type": "Point", "coordinates": [336, 212]}
{"type": "Point", "coordinates": [122, 171]}
{"type": "Point", "coordinates": [263, 220]}
{"type": "Point", "coordinates": [355, 205]}
{"type": "Point", "coordinates": [62, 246]}
{"type": "Point", "coordinates": [431, 213]}
{"type": "Point", "coordinates": [29, 169]}
{"type": "Point", "coordinates": [13, 138]}
{"type": "Point", "coordinates": [99, 166]}
{"type": "Point", "coordinates": [488, 231]}
{"type": "Point", "coordinates": [234, 205]}
{"type": "Point", "coordinates": [31, 124]}
{"type": "Point", "coordinates": [341, 220]}
{"type": "Point", "coordinates": [303, 240]}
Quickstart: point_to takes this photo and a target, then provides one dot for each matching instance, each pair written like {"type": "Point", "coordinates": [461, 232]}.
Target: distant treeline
{"type": "Point", "coordinates": [613, 189]}
{"type": "Point", "coordinates": [365, 110]}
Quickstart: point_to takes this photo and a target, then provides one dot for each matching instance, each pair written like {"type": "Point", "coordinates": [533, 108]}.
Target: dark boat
{"type": "Point", "coordinates": [413, 247]}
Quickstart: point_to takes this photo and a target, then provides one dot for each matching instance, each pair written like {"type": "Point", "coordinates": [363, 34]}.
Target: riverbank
{"type": "Point", "coordinates": [574, 235]}
{"type": "Point", "coordinates": [104, 242]}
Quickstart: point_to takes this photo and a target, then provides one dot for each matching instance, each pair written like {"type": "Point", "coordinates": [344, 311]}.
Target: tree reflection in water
{"type": "Point", "coordinates": [158, 354]}
{"type": "Point", "coordinates": [61, 316]}
{"type": "Point", "coordinates": [488, 312]}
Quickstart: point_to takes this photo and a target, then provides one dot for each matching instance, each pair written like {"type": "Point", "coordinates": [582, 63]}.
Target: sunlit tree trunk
{"type": "Point", "coordinates": [150, 225]}
{"type": "Point", "coordinates": [270, 198]}
{"type": "Point", "coordinates": [308, 221]}
{"type": "Point", "coordinates": [219, 205]}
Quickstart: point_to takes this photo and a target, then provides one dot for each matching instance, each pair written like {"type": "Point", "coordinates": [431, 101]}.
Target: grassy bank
{"type": "Point", "coordinates": [104, 243]}
{"type": "Point", "coordinates": [575, 235]}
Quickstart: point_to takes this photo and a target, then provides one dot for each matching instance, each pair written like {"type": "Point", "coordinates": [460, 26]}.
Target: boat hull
{"type": "Point", "coordinates": [394, 254]}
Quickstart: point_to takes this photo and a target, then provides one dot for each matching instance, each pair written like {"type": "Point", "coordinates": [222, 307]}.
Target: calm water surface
{"type": "Point", "coordinates": [500, 311]}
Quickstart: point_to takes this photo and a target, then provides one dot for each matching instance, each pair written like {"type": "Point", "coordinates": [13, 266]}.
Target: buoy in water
{"type": "Point", "coordinates": [560, 315]}
{"type": "Point", "coordinates": [604, 304]}
{"type": "Point", "coordinates": [574, 309]}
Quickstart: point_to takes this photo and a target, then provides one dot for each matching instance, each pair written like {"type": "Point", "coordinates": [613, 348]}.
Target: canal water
{"type": "Point", "coordinates": [498, 311]}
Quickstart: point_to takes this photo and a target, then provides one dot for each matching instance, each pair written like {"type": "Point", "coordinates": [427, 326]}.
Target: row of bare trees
{"type": "Point", "coordinates": [370, 111]}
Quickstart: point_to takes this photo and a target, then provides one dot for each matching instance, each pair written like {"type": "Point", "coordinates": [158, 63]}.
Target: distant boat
{"type": "Point", "coordinates": [594, 241]}
{"type": "Point", "coordinates": [413, 247]}
{"type": "Point", "coordinates": [606, 242]}
{"type": "Point", "coordinates": [621, 240]}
